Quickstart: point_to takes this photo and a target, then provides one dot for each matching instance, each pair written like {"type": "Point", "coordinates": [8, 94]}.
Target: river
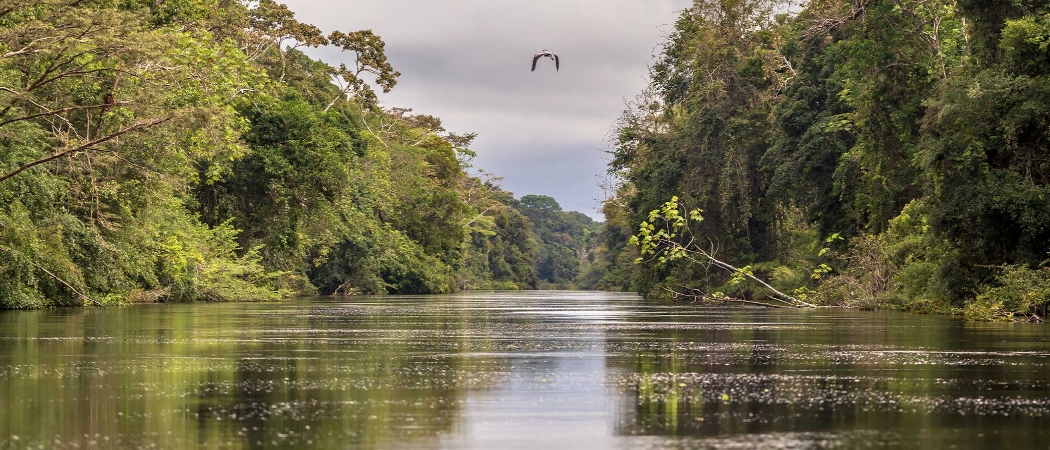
{"type": "Point", "coordinates": [516, 370]}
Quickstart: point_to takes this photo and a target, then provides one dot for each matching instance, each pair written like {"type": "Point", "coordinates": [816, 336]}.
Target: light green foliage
{"type": "Point", "coordinates": [985, 309]}
{"type": "Point", "coordinates": [198, 263]}
{"type": "Point", "coordinates": [657, 236]}
{"type": "Point", "coordinates": [18, 276]}
{"type": "Point", "coordinates": [668, 236]}
{"type": "Point", "coordinates": [188, 150]}
{"type": "Point", "coordinates": [1018, 289]}
{"type": "Point", "coordinates": [1026, 44]}
{"type": "Point", "coordinates": [130, 109]}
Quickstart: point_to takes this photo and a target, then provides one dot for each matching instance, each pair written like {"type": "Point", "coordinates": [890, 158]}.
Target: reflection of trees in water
{"type": "Point", "coordinates": [652, 401]}
{"type": "Point", "coordinates": [375, 376]}
{"type": "Point", "coordinates": [833, 385]}
{"type": "Point", "coordinates": [211, 374]}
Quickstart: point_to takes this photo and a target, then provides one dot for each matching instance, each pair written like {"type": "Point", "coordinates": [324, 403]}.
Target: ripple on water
{"type": "Point", "coordinates": [518, 370]}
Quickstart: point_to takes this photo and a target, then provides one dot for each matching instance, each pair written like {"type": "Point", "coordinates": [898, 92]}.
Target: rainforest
{"type": "Point", "coordinates": [825, 224]}
{"type": "Point", "coordinates": [874, 154]}
{"type": "Point", "coordinates": [877, 154]}
{"type": "Point", "coordinates": [189, 150]}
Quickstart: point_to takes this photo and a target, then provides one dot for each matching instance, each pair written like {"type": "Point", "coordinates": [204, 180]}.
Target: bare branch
{"type": "Point", "coordinates": [60, 111]}
{"type": "Point", "coordinates": [700, 295]}
{"type": "Point", "coordinates": [492, 206]}
{"type": "Point", "coordinates": [137, 127]}
{"type": "Point", "coordinates": [733, 269]}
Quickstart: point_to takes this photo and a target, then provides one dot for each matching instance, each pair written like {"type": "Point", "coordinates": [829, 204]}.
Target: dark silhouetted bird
{"type": "Point", "coordinates": [546, 54]}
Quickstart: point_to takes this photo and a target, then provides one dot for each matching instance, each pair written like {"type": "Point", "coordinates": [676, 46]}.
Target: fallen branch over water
{"type": "Point", "coordinates": [660, 238]}
{"type": "Point", "coordinates": [705, 297]}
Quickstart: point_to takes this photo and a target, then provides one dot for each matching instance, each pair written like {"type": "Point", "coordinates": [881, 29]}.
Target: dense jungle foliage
{"type": "Point", "coordinates": [184, 150]}
{"type": "Point", "coordinates": [565, 242]}
{"type": "Point", "coordinates": [868, 153]}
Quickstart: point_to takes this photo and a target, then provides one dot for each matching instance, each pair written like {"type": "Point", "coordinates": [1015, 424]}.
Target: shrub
{"type": "Point", "coordinates": [1019, 290]}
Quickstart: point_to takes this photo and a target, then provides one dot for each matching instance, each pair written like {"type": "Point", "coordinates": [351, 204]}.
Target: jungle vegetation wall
{"type": "Point", "coordinates": [183, 150]}
{"type": "Point", "coordinates": [869, 153]}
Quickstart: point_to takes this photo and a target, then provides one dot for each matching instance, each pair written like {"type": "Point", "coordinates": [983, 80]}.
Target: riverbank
{"type": "Point", "coordinates": [202, 158]}
{"type": "Point", "coordinates": [884, 155]}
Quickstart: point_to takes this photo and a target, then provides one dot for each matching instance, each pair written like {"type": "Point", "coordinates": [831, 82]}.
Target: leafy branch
{"type": "Point", "coordinates": [666, 236]}
{"type": "Point", "coordinates": [368, 47]}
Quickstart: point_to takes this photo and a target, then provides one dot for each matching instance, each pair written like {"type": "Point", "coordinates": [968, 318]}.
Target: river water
{"type": "Point", "coordinates": [516, 370]}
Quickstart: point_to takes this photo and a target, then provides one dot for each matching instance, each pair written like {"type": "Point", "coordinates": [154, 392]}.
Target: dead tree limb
{"type": "Point", "coordinates": [729, 267]}
{"type": "Point", "coordinates": [700, 295]}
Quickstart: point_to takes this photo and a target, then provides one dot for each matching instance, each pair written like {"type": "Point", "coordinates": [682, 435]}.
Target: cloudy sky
{"type": "Point", "coordinates": [468, 61]}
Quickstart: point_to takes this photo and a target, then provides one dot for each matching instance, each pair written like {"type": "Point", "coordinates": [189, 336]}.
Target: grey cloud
{"type": "Point", "coordinates": [467, 61]}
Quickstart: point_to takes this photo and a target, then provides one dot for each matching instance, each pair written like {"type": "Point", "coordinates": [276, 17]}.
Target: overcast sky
{"type": "Point", "coordinates": [468, 61]}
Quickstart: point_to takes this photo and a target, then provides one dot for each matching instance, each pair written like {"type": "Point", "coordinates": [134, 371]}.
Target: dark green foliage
{"type": "Point", "coordinates": [1017, 290]}
{"type": "Point", "coordinates": [565, 238]}
{"type": "Point", "coordinates": [379, 260]}
{"type": "Point", "coordinates": [988, 18]}
{"type": "Point", "coordinates": [502, 247]}
{"type": "Point", "coordinates": [290, 182]}
{"type": "Point", "coordinates": [986, 156]}
{"type": "Point", "coordinates": [917, 132]}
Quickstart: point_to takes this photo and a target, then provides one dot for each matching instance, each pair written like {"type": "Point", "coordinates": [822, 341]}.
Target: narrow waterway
{"type": "Point", "coordinates": [516, 370]}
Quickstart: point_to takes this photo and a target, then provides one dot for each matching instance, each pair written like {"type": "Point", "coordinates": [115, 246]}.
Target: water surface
{"type": "Point", "coordinates": [516, 370]}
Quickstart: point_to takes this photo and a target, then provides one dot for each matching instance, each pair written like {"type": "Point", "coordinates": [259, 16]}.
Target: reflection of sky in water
{"type": "Point", "coordinates": [516, 370]}
{"type": "Point", "coordinates": [574, 313]}
{"type": "Point", "coordinates": [549, 401]}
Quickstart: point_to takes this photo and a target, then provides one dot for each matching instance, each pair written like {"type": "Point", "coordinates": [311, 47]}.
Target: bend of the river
{"type": "Point", "coordinates": [516, 370]}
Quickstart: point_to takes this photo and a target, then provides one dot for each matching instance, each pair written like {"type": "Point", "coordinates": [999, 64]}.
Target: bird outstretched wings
{"type": "Point", "coordinates": [546, 54]}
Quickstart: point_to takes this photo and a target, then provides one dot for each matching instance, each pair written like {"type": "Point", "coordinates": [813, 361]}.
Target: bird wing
{"type": "Point", "coordinates": [557, 62]}
{"type": "Point", "coordinates": [534, 59]}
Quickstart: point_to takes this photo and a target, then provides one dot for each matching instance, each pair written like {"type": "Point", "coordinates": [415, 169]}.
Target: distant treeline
{"type": "Point", "coordinates": [183, 150]}
{"type": "Point", "coordinates": [868, 153]}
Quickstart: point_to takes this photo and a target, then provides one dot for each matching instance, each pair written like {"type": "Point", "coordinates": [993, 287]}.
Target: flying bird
{"type": "Point", "coordinates": [546, 54]}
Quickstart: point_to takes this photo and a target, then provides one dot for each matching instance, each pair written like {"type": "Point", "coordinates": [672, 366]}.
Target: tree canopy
{"type": "Point", "coordinates": [861, 152]}
{"type": "Point", "coordinates": [189, 150]}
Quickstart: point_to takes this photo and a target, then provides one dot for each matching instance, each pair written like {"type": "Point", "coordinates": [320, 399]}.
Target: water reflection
{"type": "Point", "coordinates": [542, 369]}
{"type": "Point", "coordinates": [892, 379]}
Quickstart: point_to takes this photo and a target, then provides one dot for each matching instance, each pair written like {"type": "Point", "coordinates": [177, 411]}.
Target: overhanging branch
{"type": "Point", "coordinates": [88, 145]}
